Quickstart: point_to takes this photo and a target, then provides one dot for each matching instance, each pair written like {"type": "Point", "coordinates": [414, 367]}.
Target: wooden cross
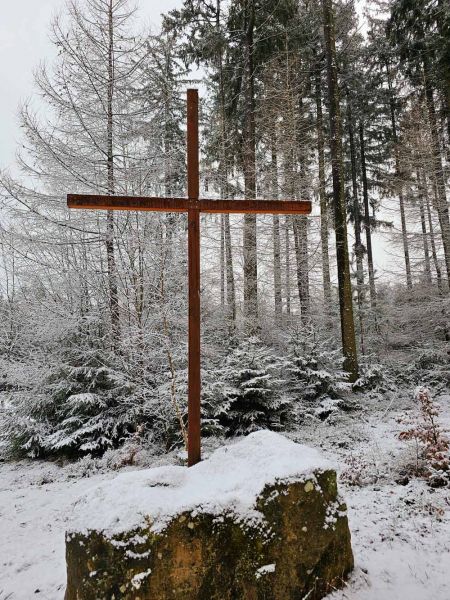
{"type": "Point", "coordinates": [193, 206]}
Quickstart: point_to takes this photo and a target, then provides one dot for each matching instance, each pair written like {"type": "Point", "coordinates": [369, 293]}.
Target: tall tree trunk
{"type": "Point", "coordinates": [442, 206]}
{"type": "Point", "coordinates": [231, 293]}
{"type": "Point", "coordinates": [303, 246]}
{"type": "Point", "coordinates": [444, 32]}
{"type": "Point", "coordinates": [300, 242]}
{"type": "Point", "coordinates": [229, 273]}
{"type": "Point", "coordinates": [169, 181]}
{"type": "Point", "coordinates": [276, 237]}
{"type": "Point", "coordinates": [300, 223]}
{"type": "Point", "coordinates": [287, 252]}
{"type": "Point", "coordinates": [222, 261]}
{"type": "Point", "coordinates": [426, 252]}
{"type": "Point", "coordinates": [289, 188]}
{"type": "Point", "coordinates": [277, 268]}
{"type": "Point", "coordinates": [434, 255]}
{"type": "Point", "coordinates": [322, 195]}
{"type": "Point", "coordinates": [405, 240]}
{"type": "Point", "coordinates": [372, 288]}
{"type": "Point", "coordinates": [110, 254]}
{"type": "Point", "coordinates": [249, 163]}
{"type": "Point", "coordinates": [340, 217]}
{"type": "Point", "coordinates": [398, 174]}
{"type": "Point", "coordinates": [359, 249]}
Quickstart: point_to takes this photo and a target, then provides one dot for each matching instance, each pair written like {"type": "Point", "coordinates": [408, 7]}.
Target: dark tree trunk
{"type": "Point", "coordinates": [444, 31]}
{"type": "Point", "coordinates": [276, 238]}
{"type": "Point", "coordinates": [442, 206]}
{"type": "Point", "coordinates": [359, 248]}
{"type": "Point", "coordinates": [423, 224]}
{"type": "Point", "coordinates": [340, 216]}
{"type": "Point", "coordinates": [301, 255]}
{"type": "Point", "coordinates": [398, 173]}
{"type": "Point", "coordinates": [322, 195]}
{"type": "Point", "coordinates": [372, 288]}
{"type": "Point", "coordinates": [222, 261]}
{"type": "Point", "coordinates": [224, 189]}
{"type": "Point", "coordinates": [231, 294]}
{"type": "Point", "coordinates": [300, 223]}
{"type": "Point", "coordinates": [431, 230]}
{"type": "Point", "coordinates": [289, 189]}
{"type": "Point", "coordinates": [249, 163]}
{"type": "Point", "coordinates": [287, 287]}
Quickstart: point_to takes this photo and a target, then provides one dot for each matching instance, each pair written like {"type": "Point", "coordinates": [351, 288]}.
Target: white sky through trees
{"type": "Point", "coordinates": [24, 42]}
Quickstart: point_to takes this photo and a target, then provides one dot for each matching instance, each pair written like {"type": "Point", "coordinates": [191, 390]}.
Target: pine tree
{"type": "Point", "coordinates": [415, 30]}
{"type": "Point", "coordinates": [340, 217]}
{"type": "Point", "coordinates": [313, 368]}
{"type": "Point", "coordinates": [82, 405]}
{"type": "Point", "coordinates": [252, 396]}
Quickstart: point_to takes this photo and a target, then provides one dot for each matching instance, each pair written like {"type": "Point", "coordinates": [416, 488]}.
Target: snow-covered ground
{"type": "Point", "coordinates": [35, 507]}
{"type": "Point", "coordinates": [401, 541]}
{"type": "Point", "coordinates": [400, 532]}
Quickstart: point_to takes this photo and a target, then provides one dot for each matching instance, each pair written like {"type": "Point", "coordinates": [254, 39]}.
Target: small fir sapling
{"type": "Point", "coordinates": [431, 367]}
{"type": "Point", "coordinates": [432, 445]}
{"type": "Point", "coordinates": [372, 377]}
{"type": "Point", "coordinates": [314, 374]}
{"type": "Point", "coordinates": [252, 393]}
{"type": "Point", "coordinates": [211, 405]}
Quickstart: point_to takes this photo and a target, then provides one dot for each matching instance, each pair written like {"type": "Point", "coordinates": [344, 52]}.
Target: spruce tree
{"type": "Point", "coordinates": [252, 397]}
{"type": "Point", "coordinates": [340, 215]}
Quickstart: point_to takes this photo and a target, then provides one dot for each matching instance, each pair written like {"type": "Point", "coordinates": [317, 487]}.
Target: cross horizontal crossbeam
{"type": "Point", "coordinates": [273, 207]}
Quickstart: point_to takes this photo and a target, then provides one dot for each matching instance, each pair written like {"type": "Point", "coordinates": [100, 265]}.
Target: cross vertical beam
{"type": "Point", "coordinates": [194, 377]}
{"type": "Point", "coordinates": [193, 206]}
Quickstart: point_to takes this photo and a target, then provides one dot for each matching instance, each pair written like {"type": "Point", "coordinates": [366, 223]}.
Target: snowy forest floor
{"type": "Point", "coordinates": [400, 526]}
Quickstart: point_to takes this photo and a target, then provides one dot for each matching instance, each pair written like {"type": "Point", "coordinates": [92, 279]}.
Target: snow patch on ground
{"type": "Point", "coordinates": [264, 570]}
{"type": "Point", "coordinates": [401, 542]}
{"type": "Point", "coordinates": [35, 507]}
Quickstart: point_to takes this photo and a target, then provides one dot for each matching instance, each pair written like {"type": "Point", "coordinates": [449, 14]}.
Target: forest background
{"type": "Point", "coordinates": [354, 116]}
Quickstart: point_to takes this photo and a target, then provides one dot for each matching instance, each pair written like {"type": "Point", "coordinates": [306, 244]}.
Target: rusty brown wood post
{"type": "Point", "coordinates": [194, 448]}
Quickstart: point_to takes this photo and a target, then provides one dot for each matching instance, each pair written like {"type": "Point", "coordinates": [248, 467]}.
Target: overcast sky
{"type": "Point", "coordinates": [24, 42]}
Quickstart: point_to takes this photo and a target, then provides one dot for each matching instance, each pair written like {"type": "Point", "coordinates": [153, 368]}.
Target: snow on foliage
{"type": "Point", "coordinates": [251, 390]}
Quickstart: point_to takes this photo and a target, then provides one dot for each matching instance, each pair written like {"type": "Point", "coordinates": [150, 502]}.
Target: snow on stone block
{"type": "Point", "coordinates": [259, 519]}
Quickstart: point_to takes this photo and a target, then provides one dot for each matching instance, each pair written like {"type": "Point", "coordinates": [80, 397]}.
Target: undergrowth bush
{"type": "Point", "coordinates": [432, 445]}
